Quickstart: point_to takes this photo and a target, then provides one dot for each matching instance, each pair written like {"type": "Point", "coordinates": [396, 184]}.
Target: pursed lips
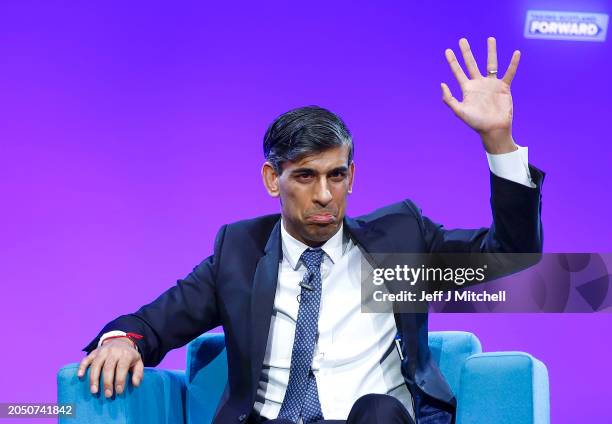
{"type": "Point", "coordinates": [322, 218]}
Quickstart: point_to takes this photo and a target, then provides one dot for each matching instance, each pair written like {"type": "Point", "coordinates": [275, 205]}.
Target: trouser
{"type": "Point", "coordinates": [368, 409]}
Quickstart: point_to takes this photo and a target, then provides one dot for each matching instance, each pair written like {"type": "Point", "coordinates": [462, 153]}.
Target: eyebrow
{"type": "Point", "coordinates": [305, 170]}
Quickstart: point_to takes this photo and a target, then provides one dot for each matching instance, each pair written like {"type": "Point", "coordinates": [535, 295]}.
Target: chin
{"type": "Point", "coordinates": [322, 233]}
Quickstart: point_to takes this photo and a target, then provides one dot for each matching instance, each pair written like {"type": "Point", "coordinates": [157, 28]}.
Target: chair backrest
{"type": "Point", "coordinates": [205, 377]}
{"type": "Point", "coordinates": [450, 349]}
{"type": "Point", "coordinates": [206, 370]}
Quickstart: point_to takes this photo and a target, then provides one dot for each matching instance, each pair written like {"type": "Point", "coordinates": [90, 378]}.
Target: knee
{"type": "Point", "coordinates": [378, 401]}
{"type": "Point", "coordinates": [377, 408]}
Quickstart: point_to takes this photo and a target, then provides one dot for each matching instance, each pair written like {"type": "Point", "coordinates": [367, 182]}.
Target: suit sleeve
{"type": "Point", "coordinates": [177, 316]}
{"type": "Point", "coordinates": [516, 226]}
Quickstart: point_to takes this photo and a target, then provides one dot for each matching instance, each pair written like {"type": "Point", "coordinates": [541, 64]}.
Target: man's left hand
{"type": "Point", "coordinates": [487, 103]}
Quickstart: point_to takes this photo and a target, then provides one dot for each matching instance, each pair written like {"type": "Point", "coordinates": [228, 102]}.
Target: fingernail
{"type": "Point", "coordinates": [119, 388]}
{"type": "Point", "coordinates": [94, 388]}
{"type": "Point", "coordinates": [108, 393]}
{"type": "Point", "coordinates": [80, 373]}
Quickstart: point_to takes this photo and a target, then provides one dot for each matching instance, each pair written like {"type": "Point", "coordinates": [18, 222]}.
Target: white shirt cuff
{"type": "Point", "coordinates": [513, 166]}
{"type": "Point", "coordinates": [111, 334]}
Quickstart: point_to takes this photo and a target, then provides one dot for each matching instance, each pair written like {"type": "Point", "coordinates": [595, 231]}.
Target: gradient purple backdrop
{"type": "Point", "coordinates": [130, 132]}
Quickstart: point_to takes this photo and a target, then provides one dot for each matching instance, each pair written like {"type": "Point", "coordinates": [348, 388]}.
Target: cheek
{"type": "Point", "coordinates": [340, 191]}
{"type": "Point", "coordinates": [295, 200]}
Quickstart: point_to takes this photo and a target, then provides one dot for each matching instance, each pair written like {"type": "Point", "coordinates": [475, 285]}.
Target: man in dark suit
{"type": "Point", "coordinates": [285, 287]}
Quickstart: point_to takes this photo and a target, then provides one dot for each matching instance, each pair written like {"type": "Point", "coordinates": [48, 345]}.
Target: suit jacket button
{"type": "Point", "coordinates": [242, 417]}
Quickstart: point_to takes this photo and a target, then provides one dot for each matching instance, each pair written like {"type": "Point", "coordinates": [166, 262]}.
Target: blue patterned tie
{"type": "Point", "coordinates": [302, 396]}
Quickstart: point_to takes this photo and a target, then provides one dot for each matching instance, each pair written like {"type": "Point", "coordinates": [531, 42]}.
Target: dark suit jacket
{"type": "Point", "coordinates": [235, 288]}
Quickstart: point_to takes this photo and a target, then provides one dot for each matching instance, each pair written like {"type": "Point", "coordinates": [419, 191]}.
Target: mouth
{"type": "Point", "coordinates": [321, 218]}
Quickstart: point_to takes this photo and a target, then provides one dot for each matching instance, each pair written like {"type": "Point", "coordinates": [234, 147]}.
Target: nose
{"type": "Point", "coordinates": [322, 193]}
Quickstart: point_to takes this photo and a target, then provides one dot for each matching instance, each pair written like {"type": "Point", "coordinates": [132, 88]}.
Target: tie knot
{"type": "Point", "coordinates": [312, 259]}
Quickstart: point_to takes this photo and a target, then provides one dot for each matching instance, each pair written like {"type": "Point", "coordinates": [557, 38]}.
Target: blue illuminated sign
{"type": "Point", "coordinates": [553, 25]}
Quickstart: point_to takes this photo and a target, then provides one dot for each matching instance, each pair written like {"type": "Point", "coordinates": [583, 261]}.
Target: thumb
{"type": "Point", "coordinates": [448, 98]}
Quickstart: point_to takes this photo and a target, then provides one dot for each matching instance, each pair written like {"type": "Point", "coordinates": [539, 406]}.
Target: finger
{"type": "Point", "coordinates": [455, 67]}
{"type": "Point", "coordinates": [108, 375]}
{"type": "Point", "coordinates": [511, 71]}
{"type": "Point", "coordinates": [468, 58]}
{"type": "Point", "coordinates": [448, 98]}
{"type": "Point", "coordinates": [85, 362]}
{"type": "Point", "coordinates": [94, 372]}
{"type": "Point", "coordinates": [491, 57]}
{"type": "Point", "coordinates": [137, 373]}
{"type": "Point", "coordinates": [123, 365]}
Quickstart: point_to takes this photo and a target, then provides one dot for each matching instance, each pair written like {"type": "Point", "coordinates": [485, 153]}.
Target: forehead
{"type": "Point", "coordinates": [327, 159]}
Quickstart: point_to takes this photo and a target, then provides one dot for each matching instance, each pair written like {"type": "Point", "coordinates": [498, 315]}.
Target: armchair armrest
{"type": "Point", "coordinates": [503, 388]}
{"type": "Point", "coordinates": [159, 399]}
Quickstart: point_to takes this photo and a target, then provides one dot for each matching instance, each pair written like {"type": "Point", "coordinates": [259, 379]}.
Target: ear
{"type": "Point", "coordinates": [270, 179]}
{"type": "Point", "coordinates": [351, 176]}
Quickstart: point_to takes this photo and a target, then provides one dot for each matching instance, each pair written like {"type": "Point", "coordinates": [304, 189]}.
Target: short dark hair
{"type": "Point", "coordinates": [304, 131]}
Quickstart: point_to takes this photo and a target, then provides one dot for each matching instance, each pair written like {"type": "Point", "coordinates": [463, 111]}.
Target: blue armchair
{"type": "Point", "coordinates": [494, 387]}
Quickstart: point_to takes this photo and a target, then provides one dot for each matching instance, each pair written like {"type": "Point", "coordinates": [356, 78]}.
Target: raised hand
{"type": "Point", "coordinates": [487, 103]}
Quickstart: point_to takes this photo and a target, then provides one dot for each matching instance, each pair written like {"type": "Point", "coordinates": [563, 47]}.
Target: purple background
{"type": "Point", "coordinates": [130, 132]}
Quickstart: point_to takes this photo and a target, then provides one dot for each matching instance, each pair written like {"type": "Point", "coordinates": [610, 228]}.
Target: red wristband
{"type": "Point", "coordinates": [130, 336]}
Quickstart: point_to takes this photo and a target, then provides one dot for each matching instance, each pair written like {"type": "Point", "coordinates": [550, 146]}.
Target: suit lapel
{"type": "Point", "coordinates": [367, 238]}
{"type": "Point", "coordinates": [371, 240]}
{"type": "Point", "coordinates": [262, 300]}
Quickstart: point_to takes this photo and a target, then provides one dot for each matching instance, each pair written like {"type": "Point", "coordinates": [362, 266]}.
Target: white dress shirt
{"type": "Point", "coordinates": [355, 352]}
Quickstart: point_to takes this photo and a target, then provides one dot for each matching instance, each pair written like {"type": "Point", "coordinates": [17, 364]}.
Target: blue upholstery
{"type": "Point", "coordinates": [497, 387]}
{"type": "Point", "coordinates": [449, 350]}
{"type": "Point", "coordinates": [206, 375]}
{"type": "Point", "coordinates": [159, 399]}
{"type": "Point", "coordinates": [503, 388]}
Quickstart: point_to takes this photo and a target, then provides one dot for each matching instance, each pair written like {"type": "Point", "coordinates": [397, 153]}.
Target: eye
{"type": "Point", "coordinates": [304, 177]}
{"type": "Point", "coordinates": [338, 175]}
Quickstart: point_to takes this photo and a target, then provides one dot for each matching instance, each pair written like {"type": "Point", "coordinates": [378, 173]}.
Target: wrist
{"type": "Point", "coordinates": [120, 335]}
{"type": "Point", "coordinates": [118, 339]}
{"type": "Point", "coordinates": [498, 143]}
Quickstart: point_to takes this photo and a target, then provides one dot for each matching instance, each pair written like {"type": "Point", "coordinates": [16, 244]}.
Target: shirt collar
{"type": "Point", "coordinates": [293, 248]}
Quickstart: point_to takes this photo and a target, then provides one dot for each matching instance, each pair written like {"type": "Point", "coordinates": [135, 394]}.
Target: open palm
{"type": "Point", "coordinates": [487, 102]}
